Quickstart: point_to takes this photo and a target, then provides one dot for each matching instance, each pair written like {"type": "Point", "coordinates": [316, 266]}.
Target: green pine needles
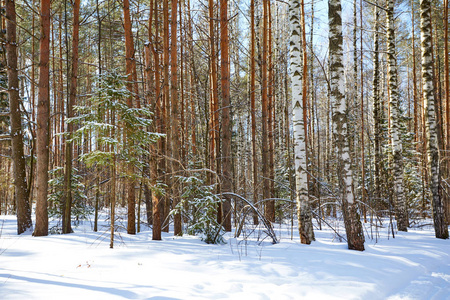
{"type": "Point", "coordinates": [198, 206]}
{"type": "Point", "coordinates": [80, 209]}
{"type": "Point", "coordinates": [112, 129]}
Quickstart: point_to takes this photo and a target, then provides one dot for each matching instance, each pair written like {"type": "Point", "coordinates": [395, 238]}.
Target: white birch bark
{"type": "Point", "coordinates": [353, 227]}
{"type": "Point", "coordinates": [377, 114]}
{"type": "Point", "coordinates": [301, 178]}
{"type": "Point", "coordinates": [440, 225]}
{"type": "Point", "coordinates": [399, 198]}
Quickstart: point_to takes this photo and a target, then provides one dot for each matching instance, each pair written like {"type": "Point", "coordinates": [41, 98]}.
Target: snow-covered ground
{"type": "Point", "coordinates": [414, 265]}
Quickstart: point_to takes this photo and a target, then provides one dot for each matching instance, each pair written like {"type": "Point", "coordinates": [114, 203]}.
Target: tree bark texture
{"type": "Point", "coordinates": [43, 114]}
{"type": "Point", "coordinates": [397, 148]}
{"type": "Point", "coordinates": [23, 208]}
{"type": "Point", "coordinates": [66, 220]}
{"type": "Point", "coordinates": [226, 114]}
{"type": "Point", "coordinates": [377, 108]}
{"type": "Point", "coordinates": [304, 213]}
{"type": "Point", "coordinates": [440, 225]}
{"type": "Point", "coordinates": [175, 118]}
{"type": "Point", "coordinates": [252, 106]}
{"type": "Point", "coordinates": [269, 208]}
{"type": "Point", "coordinates": [353, 227]}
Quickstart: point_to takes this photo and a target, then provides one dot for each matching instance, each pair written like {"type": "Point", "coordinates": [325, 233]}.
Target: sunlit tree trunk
{"type": "Point", "coordinates": [269, 208]}
{"type": "Point", "coordinates": [440, 225]}
{"type": "Point", "coordinates": [165, 106]}
{"type": "Point", "coordinates": [226, 113]}
{"type": "Point", "coordinates": [67, 228]}
{"type": "Point", "coordinates": [252, 105]}
{"type": "Point", "coordinates": [399, 197]}
{"type": "Point", "coordinates": [353, 227]}
{"type": "Point", "coordinates": [299, 109]}
{"type": "Point", "coordinates": [130, 63]}
{"type": "Point", "coordinates": [214, 101]}
{"type": "Point", "coordinates": [376, 108]}
{"type": "Point", "coordinates": [270, 106]}
{"type": "Point", "coordinates": [363, 169]}
{"type": "Point", "coordinates": [175, 113]}
{"type": "Point", "coordinates": [23, 209]}
{"type": "Point", "coordinates": [43, 112]}
{"type": "Point", "coordinates": [447, 100]}
{"type": "Point", "coordinates": [155, 169]}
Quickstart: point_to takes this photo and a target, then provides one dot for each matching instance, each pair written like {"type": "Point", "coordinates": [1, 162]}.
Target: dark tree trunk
{"type": "Point", "coordinates": [131, 71]}
{"type": "Point", "coordinates": [23, 208]}
{"type": "Point", "coordinates": [66, 220]}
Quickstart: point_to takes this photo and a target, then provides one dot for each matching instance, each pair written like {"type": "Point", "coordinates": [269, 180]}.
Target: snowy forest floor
{"type": "Point", "coordinates": [414, 265]}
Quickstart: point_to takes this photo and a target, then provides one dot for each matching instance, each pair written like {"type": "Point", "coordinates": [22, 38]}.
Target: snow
{"type": "Point", "coordinates": [414, 265]}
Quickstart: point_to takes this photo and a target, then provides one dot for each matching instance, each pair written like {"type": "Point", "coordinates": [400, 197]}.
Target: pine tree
{"type": "Point", "coordinates": [73, 94]}
{"type": "Point", "coordinates": [226, 115]}
{"type": "Point", "coordinates": [43, 112]}
{"type": "Point", "coordinates": [23, 208]}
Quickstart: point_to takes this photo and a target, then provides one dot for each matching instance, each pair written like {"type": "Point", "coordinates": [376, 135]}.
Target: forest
{"type": "Point", "coordinates": [202, 117]}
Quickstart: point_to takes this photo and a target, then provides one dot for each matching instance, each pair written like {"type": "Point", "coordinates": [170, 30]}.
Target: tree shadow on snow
{"type": "Point", "coordinates": [112, 291]}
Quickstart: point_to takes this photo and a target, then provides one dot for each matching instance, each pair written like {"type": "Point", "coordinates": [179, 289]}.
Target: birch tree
{"type": "Point", "coordinates": [440, 225]}
{"type": "Point", "coordinates": [400, 203]}
{"type": "Point", "coordinates": [353, 227]}
{"type": "Point", "coordinates": [377, 112]}
{"type": "Point", "coordinates": [301, 177]}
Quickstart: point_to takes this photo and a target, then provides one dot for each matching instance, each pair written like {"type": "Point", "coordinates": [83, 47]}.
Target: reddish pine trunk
{"type": "Point", "coordinates": [23, 208]}
{"type": "Point", "coordinates": [131, 71]}
{"type": "Point", "coordinates": [269, 210]}
{"type": "Point", "coordinates": [226, 103]}
{"type": "Point", "coordinates": [175, 113]}
{"type": "Point", "coordinates": [43, 112]}
{"type": "Point", "coordinates": [67, 228]}
{"type": "Point", "coordinates": [154, 167]}
{"type": "Point", "coordinates": [252, 106]}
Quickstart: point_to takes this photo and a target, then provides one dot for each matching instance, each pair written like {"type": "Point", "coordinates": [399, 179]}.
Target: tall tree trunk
{"type": "Point", "coordinates": [154, 155]}
{"type": "Point", "coordinates": [191, 81]}
{"type": "Point", "coordinates": [252, 105]}
{"type": "Point", "coordinates": [376, 108]}
{"type": "Point", "coordinates": [447, 100]}
{"type": "Point", "coordinates": [214, 100]}
{"type": "Point", "coordinates": [299, 109]}
{"type": "Point", "coordinates": [67, 228]}
{"type": "Point", "coordinates": [23, 208]}
{"type": "Point", "coordinates": [165, 120]}
{"type": "Point", "coordinates": [415, 98]}
{"type": "Point", "coordinates": [269, 209]}
{"type": "Point", "coordinates": [183, 127]}
{"type": "Point", "coordinates": [353, 227]}
{"type": "Point", "coordinates": [175, 118]}
{"type": "Point", "coordinates": [363, 168]}
{"type": "Point", "coordinates": [440, 225]}
{"type": "Point", "coordinates": [131, 71]}
{"type": "Point", "coordinates": [399, 197]}
{"type": "Point", "coordinates": [43, 112]}
{"type": "Point", "coordinates": [270, 106]}
{"type": "Point", "coordinates": [226, 115]}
